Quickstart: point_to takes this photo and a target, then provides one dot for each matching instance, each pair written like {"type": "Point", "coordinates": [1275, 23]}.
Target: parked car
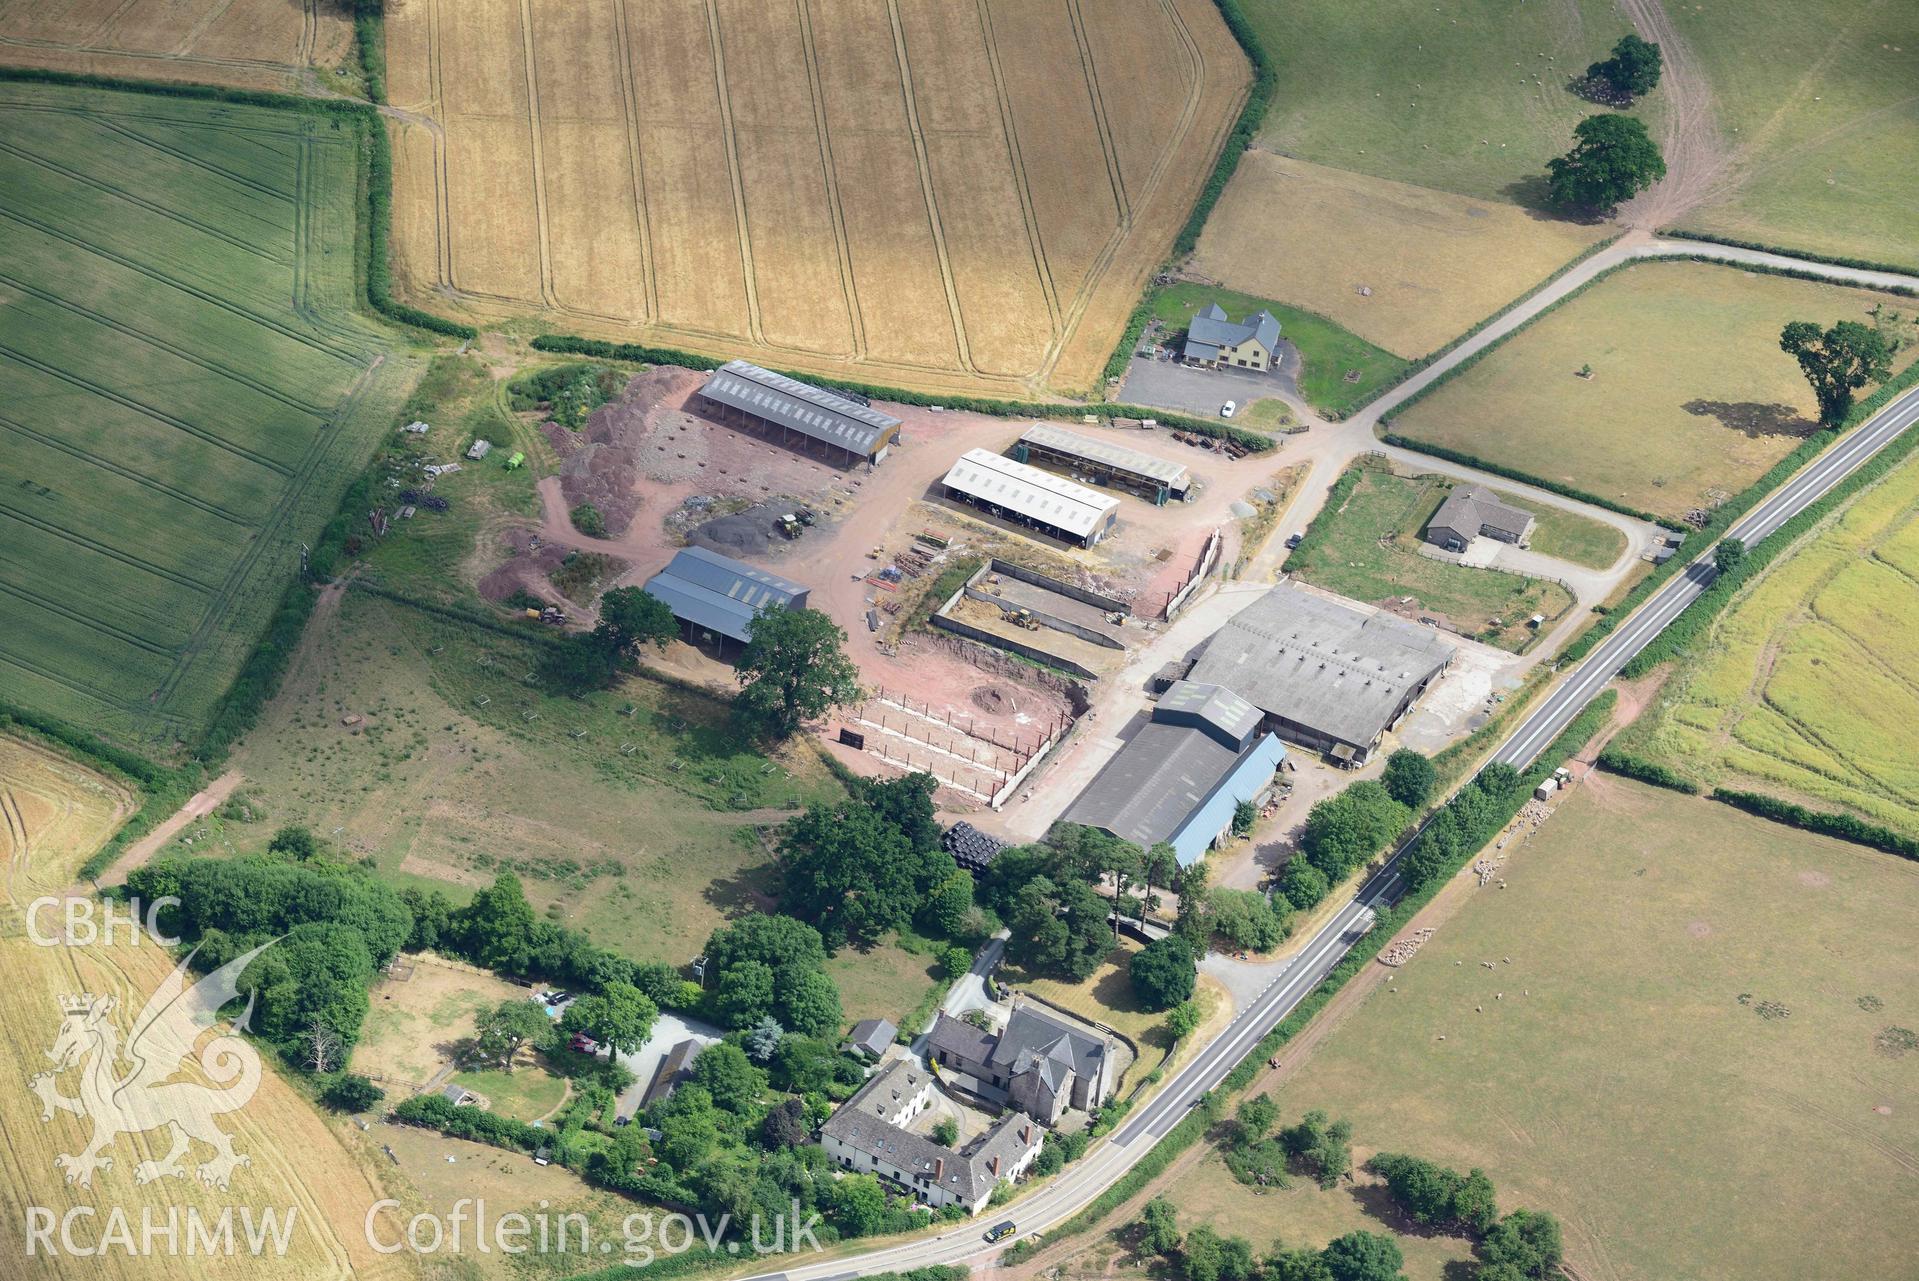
{"type": "Point", "coordinates": [1294, 539]}
{"type": "Point", "coordinates": [1228, 409]}
{"type": "Point", "coordinates": [1000, 1231]}
{"type": "Point", "coordinates": [585, 1044]}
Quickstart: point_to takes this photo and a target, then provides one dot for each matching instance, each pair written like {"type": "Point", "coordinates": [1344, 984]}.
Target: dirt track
{"type": "Point", "coordinates": [1699, 167]}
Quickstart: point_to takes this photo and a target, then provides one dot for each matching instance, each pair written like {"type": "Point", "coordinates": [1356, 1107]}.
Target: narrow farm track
{"type": "Point", "coordinates": [536, 140]}
{"type": "Point", "coordinates": [1698, 166]}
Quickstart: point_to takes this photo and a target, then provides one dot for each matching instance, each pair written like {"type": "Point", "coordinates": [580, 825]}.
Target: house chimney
{"type": "Point", "coordinates": [992, 1167]}
{"type": "Point", "coordinates": [939, 1168]}
{"type": "Point", "coordinates": [1026, 1133]}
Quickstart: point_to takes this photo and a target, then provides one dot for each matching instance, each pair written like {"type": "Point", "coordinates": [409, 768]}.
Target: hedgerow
{"type": "Point", "coordinates": [1843, 826]}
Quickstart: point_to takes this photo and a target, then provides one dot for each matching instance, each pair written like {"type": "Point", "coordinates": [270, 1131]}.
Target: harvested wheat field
{"type": "Point", "coordinates": [1407, 268]}
{"type": "Point", "coordinates": [56, 813]}
{"type": "Point", "coordinates": [961, 196]}
{"type": "Point", "coordinates": [255, 44]}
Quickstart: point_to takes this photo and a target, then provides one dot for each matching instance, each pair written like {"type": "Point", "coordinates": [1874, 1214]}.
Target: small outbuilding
{"type": "Point", "coordinates": [1473, 511]}
{"type": "Point", "coordinates": [871, 1038]}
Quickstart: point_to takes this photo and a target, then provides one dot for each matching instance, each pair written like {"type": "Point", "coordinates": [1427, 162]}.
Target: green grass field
{"type": "Point", "coordinates": [1690, 397]}
{"type": "Point", "coordinates": [1808, 687]}
{"type": "Point", "coordinates": [1816, 102]}
{"type": "Point", "coordinates": [1327, 353]}
{"type": "Point", "coordinates": [647, 850]}
{"type": "Point", "coordinates": [1618, 1067]}
{"type": "Point", "coordinates": [190, 388]}
{"type": "Point", "coordinates": [1579, 539]}
{"type": "Point", "coordinates": [527, 1093]}
{"type": "Point", "coordinates": [1367, 549]}
{"type": "Point", "coordinates": [1442, 97]}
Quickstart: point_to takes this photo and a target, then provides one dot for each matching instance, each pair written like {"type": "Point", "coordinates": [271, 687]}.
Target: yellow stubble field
{"type": "Point", "coordinates": [257, 44]}
{"type": "Point", "coordinates": [55, 813]}
{"type": "Point", "coordinates": [949, 194]}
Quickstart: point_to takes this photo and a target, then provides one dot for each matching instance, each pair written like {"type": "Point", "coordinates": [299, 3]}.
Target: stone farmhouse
{"type": "Point", "coordinates": [1038, 1065]}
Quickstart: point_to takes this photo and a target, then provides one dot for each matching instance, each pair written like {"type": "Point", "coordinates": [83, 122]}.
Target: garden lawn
{"type": "Point", "coordinates": [527, 1093]}
{"type": "Point", "coordinates": [1367, 548]}
{"type": "Point", "coordinates": [1327, 353]}
{"type": "Point", "coordinates": [1690, 401]}
{"type": "Point", "coordinates": [1677, 1051]}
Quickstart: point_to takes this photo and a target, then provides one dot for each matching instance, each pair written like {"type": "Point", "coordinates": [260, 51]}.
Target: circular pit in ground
{"type": "Point", "coordinates": [996, 699]}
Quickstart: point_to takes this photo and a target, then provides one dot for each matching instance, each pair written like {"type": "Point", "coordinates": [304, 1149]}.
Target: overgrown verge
{"type": "Point", "coordinates": [643, 353]}
{"type": "Point", "coordinates": [1487, 821]}
{"type": "Point", "coordinates": [1858, 264]}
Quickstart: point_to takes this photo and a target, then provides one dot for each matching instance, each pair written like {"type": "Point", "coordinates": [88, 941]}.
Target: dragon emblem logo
{"type": "Point", "coordinates": [130, 1088]}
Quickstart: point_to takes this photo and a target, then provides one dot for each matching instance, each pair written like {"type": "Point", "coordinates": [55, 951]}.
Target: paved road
{"type": "Point", "coordinates": [1097, 1171]}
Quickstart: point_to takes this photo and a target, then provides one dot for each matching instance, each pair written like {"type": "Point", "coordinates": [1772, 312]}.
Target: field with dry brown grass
{"type": "Point", "coordinates": [254, 44]}
{"type": "Point", "coordinates": [950, 195]}
{"type": "Point", "coordinates": [56, 813]}
{"type": "Point", "coordinates": [1432, 264]}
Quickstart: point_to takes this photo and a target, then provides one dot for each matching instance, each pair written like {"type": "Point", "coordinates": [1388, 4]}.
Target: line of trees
{"type": "Point", "coordinates": [1521, 1246]}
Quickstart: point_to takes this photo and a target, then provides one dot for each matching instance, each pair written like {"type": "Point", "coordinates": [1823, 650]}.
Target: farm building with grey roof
{"type": "Point", "coordinates": [713, 593]}
{"type": "Point", "coordinates": [1471, 511]}
{"type": "Point", "coordinates": [744, 392]}
{"type": "Point", "coordinates": [1327, 675]}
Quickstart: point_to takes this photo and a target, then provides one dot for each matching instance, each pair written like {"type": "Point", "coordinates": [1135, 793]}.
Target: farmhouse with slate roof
{"type": "Point", "coordinates": [868, 1134]}
{"type": "Point", "coordinates": [1038, 1065]}
{"type": "Point", "coordinates": [1212, 339]}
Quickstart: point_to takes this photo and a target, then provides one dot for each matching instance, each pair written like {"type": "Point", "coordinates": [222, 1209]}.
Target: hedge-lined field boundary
{"type": "Point", "coordinates": [1834, 260]}
{"type": "Point", "coordinates": [1193, 1127]}
{"type": "Point", "coordinates": [1245, 132]}
{"type": "Point", "coordinates": [1693, 622]}
{"type": "Point", "coordinates": [1573, 492]}
{"type": "Point", "coordinates": [1615, 760]}
{"type": "Point", "coordinates": [646, 354]}
{"type": "Point", "coordinates": [1842, 826]}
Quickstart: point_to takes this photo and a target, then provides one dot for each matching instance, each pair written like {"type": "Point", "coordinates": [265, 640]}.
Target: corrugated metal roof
{"type": "Point", "coordinates": [1030, 491]}
{"type": "Point", "coordinates": [719, 593]}
{"type": "Point", "coordinates": [1165, 775]}
{"type": "Point", "coordinates": [810, 410]}
{"type": "Point", "coordinates": [1214, 704]}
{"type": "Point", "coordinates": [1173, 475]}
{"type": "Point", "coordinates": [1334, 668]}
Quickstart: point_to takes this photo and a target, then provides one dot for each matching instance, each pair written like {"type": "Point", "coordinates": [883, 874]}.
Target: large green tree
{"type": "Point", "coordinates": [1612, 159]}
{"type": "Point", "coordinates": [1344, 831]}
{"type": "Point", "coordinates": [620, 1016]}
{"type": "Point", "coordinates": [1526, 1241]}
{"type": "Point", "coordinates": [1837, 361]}
{"type": "Point", "coordinates": [1362, 1256]}
{"type": "Point", "coordinates": [629, 616]}
{"type": "Point", "coordinates": [793, 670]}
{"type": "Point", "coordinates": [862, 867]}
{"type": "Point", "coordinates": [772, 965]}
{"type": "Point", "coordinates": [501, 1031]}
{"type": "Point", "coordinates": [1409, 778]}
{"type": "Point", "coordinates": [1632, 70]}
{"type": "Point", "coordinates": [1163, 973]}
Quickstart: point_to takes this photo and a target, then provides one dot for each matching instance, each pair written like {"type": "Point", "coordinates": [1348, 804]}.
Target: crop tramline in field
{"type": "Point", "coordinates": [189, 388]}
{"type": "Point", "coordinates": [960, 195]}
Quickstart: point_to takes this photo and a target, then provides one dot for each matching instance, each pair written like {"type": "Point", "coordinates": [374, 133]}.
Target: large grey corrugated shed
{"type": "Point", "coordinates": [1211, 706]}
{"type": "Point", "coordinates": [1175, 476]}
{"type": "Point", "coordinates": [1335, 669]}
{"type": "Point", "coordinates": [719, 593]}
{"type": "Point", "coordinates": [802, 407]}
{"type": "Point", "coordinates": [1035, 494]}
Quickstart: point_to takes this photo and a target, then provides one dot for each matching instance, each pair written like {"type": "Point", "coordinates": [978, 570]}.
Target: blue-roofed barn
{"type": "Point", "coordinates": [1184, 773]}
{"type": "Point", "coordinates": [716, 594]}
